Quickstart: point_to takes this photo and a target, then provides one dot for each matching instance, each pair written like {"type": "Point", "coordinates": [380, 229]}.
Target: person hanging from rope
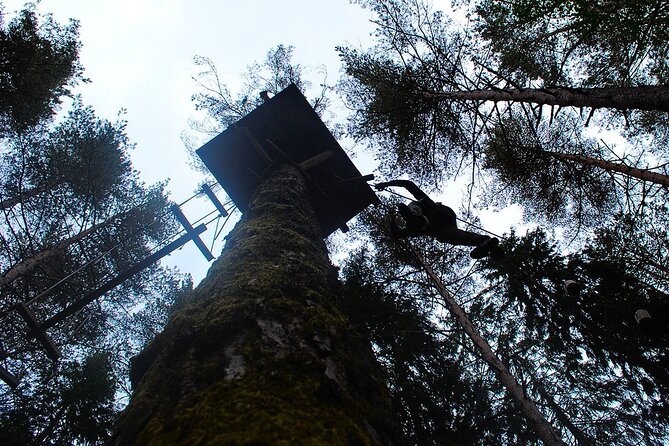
{"type": "Point", "coordinates": [426, 217]}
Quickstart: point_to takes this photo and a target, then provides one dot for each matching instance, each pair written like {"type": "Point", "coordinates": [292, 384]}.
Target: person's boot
{"type": "Point", "coordinates": [394, 228]}
{"type": "Point", "coordinates": [496, 253]}
{"type": "Point", "coordinates": [489, 247]}
{"type": "Point", "coordinates": [404, 211]}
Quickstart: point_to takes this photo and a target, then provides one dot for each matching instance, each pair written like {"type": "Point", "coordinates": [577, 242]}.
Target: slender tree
{"type": "Point", "coordinates": [439, 382]}
{"type": "Point", "coordinates": [559, 346]}
{"type": "Point", "coordinates": [647, 97]}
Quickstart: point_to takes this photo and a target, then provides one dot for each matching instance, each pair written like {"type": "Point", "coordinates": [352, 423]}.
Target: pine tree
{"type": "Point", "coordinates": [584, 353]}
{"type": "Point", "coordinates": [75, 405]}
{"type": "Point", "coordinates": [39, 62]}
{"type": "Point", "coordinates": [430, 103]}
{"type": "Point", "coordinates": [605, 43]}
{"type": "Point", "coordinates": [74, 214]}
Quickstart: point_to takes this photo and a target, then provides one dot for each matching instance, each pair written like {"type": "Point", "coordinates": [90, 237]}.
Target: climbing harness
{"type": "Point", "coordinates": [456, 217]}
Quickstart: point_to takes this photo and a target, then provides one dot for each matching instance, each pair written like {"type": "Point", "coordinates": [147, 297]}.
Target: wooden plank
{"type": "Point", "coordinates": [253, 142]}
{"type": "Point", "coordinates": [316, 160]}
{"type": "Point", "coordinates": [214, 199]}
{"type": "Point", "coordinates": [193, 235]}
{"type": "Point", "coordinates": [38, 331]}
{"type": "Point", "coordinates": [9, 379]}
{"type": "Point", "coordinates": [348, 182]}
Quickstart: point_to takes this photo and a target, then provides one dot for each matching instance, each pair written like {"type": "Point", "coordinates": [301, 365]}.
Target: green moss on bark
{"type": "Point", "coordinates": [262, 355]}
{"type": "Point", "coordinates": [287, 415]}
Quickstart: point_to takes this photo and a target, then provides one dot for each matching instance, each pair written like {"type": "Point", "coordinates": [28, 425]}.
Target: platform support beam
{"type": "Point", "coordinates": [191, 232]}
{"type": "Point", "coordinates": [9, 379]}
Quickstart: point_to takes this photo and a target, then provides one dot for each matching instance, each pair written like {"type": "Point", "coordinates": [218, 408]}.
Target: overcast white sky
{"type": "Point", "coordinates": [138, 55]}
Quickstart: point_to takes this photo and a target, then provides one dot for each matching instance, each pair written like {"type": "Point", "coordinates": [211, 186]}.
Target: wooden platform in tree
{"type": "Point", "coordinates": [285, 129]}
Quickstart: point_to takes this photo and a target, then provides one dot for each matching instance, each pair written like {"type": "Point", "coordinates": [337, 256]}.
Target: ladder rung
{"type": "Point", "coordinates": [36, 330]}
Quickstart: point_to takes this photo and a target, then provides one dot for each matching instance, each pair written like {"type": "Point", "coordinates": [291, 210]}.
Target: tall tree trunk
{"type": "Point", "coordinates": [11, 202]}
{"type": "Point", "coordinates": [642, 174]}
{"type": "Point", "coordinates": [261, 354]}
{"type": "Point", "coordinates": [579, 435]}
{"type": "Point", "coordinates": [26, 265]}
{"type": "Point", "coordinates": [528, 408]}
{"type": "Point", "coordinates": [648, 97]}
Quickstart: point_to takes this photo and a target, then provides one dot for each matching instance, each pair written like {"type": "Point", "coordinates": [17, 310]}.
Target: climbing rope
{"type": "Point", "coordinates": [409, 249]}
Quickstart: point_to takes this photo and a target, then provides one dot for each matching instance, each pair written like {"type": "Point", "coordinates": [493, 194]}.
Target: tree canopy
{"type": "Point", "coordinates": [39, 62]}
{"type": "Point", "coordinates": [433, 98]}
{"type": "Point", "coordinates": [520, 98]}
{"type": "Point", "coordinates": [74, 214]}
{"type": "Point", "coordinates": [509, 100]}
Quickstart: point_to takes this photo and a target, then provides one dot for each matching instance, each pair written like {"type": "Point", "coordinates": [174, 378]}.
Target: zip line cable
{"type": "Point", "coordinates": [217, 232]}
{"type": "Point", "coordinates": [107, 252]}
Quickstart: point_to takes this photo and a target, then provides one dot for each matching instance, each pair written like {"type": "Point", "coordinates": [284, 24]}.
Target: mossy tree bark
{"type": "Point", "coordinates": [261, 355]}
